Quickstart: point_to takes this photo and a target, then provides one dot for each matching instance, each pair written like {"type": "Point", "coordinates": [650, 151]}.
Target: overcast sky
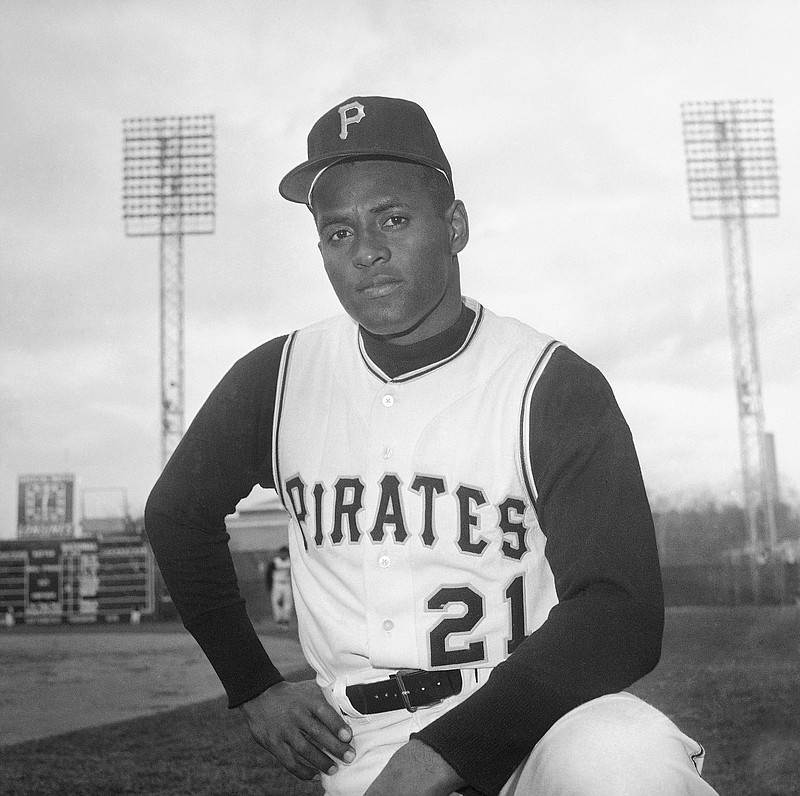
{"type": "Point", "coordinates": [561, 120]}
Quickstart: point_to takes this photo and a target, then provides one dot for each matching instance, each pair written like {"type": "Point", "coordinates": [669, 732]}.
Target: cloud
{"type": "Point", "coordinates": [562, 124]}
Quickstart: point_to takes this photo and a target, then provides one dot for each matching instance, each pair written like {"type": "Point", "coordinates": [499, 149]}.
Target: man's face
{"type": "Point", "coordinates": [388, 250]}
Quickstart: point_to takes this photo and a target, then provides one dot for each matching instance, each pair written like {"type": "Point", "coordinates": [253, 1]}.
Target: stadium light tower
{"type": "Point", "coordinates": [732, 173]}
{"type": "Point", "coordinates": [169, 191]}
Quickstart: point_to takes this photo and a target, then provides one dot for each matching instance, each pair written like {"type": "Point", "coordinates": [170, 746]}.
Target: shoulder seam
{"type": "Point", "coordinates": [526, 464]}
{"type": "Point", "coordinates": [279, 397]}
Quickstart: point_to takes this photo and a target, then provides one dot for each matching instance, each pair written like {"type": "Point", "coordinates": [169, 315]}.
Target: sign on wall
{"type": "Point", "coordinates": [46, 506]}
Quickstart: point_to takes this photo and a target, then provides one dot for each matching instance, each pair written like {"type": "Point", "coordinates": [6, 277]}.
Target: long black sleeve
{"type": "Point", "coordinates": [225, 452]}
{"type": "Point", "coordinates": [605, 632]}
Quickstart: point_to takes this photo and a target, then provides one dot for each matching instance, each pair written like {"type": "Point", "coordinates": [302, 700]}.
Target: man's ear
{"type": "Point", "coordinates": [459, 226]}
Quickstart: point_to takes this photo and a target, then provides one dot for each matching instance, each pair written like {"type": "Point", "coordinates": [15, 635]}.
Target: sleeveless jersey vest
{"type": "Point", "coordinates": [413, 535]}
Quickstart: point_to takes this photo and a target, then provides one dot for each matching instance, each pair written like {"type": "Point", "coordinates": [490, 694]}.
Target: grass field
{"type": "Point", "coordinates": [730, 677]}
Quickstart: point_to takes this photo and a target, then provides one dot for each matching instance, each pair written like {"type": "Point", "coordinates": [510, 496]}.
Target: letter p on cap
{"type": "Point", "coordinates": [348, 119]}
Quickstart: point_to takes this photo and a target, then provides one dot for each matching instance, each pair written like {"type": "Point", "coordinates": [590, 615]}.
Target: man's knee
{"type": "Point", "coordinates": [613, 745]}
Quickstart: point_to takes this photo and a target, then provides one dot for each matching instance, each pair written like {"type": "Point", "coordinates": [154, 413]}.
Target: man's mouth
{"type": "Point", "coordinates": [377, 286]}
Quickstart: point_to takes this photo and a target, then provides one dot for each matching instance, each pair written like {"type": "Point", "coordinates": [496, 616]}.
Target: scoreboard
{"type": "Point", "coordinates": [46, 506]}
{"type": "Point", "coordinates": [76, 580]}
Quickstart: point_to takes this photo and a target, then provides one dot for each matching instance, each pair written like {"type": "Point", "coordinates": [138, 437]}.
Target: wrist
{"type": "Point", "coordinates": [439, 771]}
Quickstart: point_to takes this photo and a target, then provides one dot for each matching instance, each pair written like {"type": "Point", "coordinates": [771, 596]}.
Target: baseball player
{"type": "Point", "coordinates": [279, 587]}
{"type": "Point", "coordinates": [475, 571]}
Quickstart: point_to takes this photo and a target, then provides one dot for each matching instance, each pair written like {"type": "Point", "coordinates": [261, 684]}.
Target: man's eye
{"type": "Point", "coordinates": [339, 235]}
{"type": "Point", "coordinates": [394, 221]}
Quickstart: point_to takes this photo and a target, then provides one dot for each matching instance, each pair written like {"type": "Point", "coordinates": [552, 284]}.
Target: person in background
{"type": "Point", "coordinates": [279, 587]}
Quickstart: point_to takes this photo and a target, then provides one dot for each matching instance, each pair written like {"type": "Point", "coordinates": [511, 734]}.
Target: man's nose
{"type": "Point", "coordinates": [370, 249]}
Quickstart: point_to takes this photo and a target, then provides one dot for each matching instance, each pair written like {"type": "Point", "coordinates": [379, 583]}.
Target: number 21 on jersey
{"type": "Point", "coordinates": [445, 651]}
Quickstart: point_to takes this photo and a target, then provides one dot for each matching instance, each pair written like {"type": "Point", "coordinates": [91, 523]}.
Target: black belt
{"type": "Point", "coordinates": [408, 689]}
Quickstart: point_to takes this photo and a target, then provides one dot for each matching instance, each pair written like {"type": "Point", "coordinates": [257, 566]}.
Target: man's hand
{"type": "Point", "coordinates": [297, 724]}
{"type": "Point", "coordinates": [415, 768]}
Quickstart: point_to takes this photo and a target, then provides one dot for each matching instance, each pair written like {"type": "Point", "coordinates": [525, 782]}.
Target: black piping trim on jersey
{"type": "Point", "coordinates": [415, 374]}
{"type": "Point", "coordinates": [698, 756]}
{"type": "Point", "coordinates": [287, 353]}
{"type": "Point", "coordinates": [524, 445]}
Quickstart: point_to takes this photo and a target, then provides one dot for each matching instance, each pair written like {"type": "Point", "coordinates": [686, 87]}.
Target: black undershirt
{"type": "Point", "coordinates": [395, 359]}
{"type": "Point", "coordinates": [603, 634]}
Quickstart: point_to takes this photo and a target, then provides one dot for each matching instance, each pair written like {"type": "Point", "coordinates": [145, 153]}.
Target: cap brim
{"type": "Point", "coordinates": [296, 185]}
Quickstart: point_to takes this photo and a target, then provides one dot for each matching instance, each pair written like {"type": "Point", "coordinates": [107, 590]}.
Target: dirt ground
{"type": "Point", "coordinates": [58, 680]}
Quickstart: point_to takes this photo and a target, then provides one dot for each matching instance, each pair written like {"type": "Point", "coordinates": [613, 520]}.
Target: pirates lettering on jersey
{"type": "Point", "coordinates": [429, 486]}
{"type": "Point", "coordinates": [414, 545]}
{"type": "Point", "coordinates": [394, 518]}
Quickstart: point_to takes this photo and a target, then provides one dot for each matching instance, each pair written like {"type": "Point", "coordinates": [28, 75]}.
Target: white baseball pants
{"type": "Point", "coordinates": [616, 745]}
{"type": "Point", "coordinates": [282, 602]}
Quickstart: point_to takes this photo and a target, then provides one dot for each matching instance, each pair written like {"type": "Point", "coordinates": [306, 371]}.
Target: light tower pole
{"type": "Point", "coordinates": [169, 191]}
{"type": "Point", "coordinates": [732, 173]}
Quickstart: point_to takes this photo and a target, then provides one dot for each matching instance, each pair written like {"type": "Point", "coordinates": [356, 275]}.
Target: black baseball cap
{"type": "Point", "coordinates": [366, 127]}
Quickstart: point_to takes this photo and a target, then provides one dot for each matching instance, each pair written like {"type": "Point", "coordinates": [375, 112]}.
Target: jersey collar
{"type": "Point", "coordinates": [373, 351]}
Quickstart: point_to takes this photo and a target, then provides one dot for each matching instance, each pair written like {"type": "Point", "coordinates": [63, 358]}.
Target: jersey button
{"type": "Point", "coordinates": [388, 400]}
{"type": "Point", "coordinates": [388, 625]}
{"type": "Point", "coordinates": [384, 561]}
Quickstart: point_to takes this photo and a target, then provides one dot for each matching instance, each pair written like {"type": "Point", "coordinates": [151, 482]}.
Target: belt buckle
{"type": "Point", "coordinates": [405, 693]}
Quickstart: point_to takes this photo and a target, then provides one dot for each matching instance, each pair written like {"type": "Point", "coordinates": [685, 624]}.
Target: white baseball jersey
{"type": "Point", "coordinates": [281, 596]}
{"type": "Point", "coordinates": [414, 540]}
{"type": "Point", "coordinates": [281, 573]}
